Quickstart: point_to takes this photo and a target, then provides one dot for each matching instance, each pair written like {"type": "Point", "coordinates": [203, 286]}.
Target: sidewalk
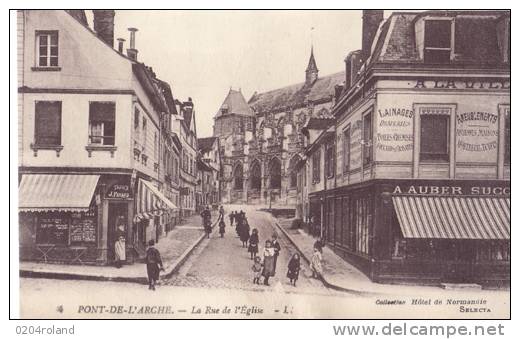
{"type": "Point", "coordinates": [174, 247]}
{"type": "Point", "coordinates": [337, 273]}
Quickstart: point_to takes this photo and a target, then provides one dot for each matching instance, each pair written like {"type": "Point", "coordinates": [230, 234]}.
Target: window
{"type": "Point", "coordinates": [434, 137]}
{"type": "Point", "coordinates": [47, 48]}
{"type": "Point", "coordinates": [507, 136]}
{"type": "Point", "coordinates": [316, 166]}
{"type": "Point", "coordinates": [102, 123]}
{"type": "Point", "coordinates": [346, 151]}
{"type": "Point", "coordinates": [145, 132]}
{"type": "Point", "coordinates": [136, 118]}
{"type": "Point", "coordinates": [437, 41]}
{"type": "Point", "coordinates": [47, 127]}
{"type": "Point", "coordinates": [155, 144]}
{"type": "Point", "coordinates": [329, 159]}
{"type": "Point", "coordinates": [367, 139]}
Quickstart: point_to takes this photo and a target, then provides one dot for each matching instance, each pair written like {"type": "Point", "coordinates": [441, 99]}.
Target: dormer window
{"type": "Point", "coordinates": [438, 42]}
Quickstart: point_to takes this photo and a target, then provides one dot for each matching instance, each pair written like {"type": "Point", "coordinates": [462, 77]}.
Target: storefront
{"type": "Point", "coordinates": [423, 231]}
{"type": "Point", "coordinates": [77, 218]}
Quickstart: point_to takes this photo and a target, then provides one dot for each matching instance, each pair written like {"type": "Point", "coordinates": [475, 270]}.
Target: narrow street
{"type": "Point", "coordinates": [224, 263]}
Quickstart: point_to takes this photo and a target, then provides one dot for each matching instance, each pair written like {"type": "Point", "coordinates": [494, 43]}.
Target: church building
{"type": "Point", "coordinates": [261, 139]}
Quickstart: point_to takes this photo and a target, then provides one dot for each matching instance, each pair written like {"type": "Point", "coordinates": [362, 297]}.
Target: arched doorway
{"type": "Point", "coordinates": [275, 174]}
{"type": "Point", "coordinates": [255, 176]}
{"type": "Point", "coordinates": [238, 177]}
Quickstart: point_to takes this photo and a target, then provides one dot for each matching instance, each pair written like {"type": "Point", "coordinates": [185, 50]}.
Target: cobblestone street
{"type": "Point", "coordinates": [224, 263]}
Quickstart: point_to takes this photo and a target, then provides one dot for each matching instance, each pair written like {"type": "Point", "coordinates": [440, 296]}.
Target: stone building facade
{"type": "Point", "coordinates": [261, 140]}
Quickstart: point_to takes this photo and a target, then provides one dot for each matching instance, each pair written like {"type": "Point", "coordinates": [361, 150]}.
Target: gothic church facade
{"type": "Point", "coordinates": [261, 139]}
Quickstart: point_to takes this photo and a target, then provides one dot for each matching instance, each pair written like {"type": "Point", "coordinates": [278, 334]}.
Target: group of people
{"type": "Point", "coordinates": [263, 266]}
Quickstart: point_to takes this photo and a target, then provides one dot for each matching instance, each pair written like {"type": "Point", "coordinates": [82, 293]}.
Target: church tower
{"type": "Point", "coordinates": [311, 73]}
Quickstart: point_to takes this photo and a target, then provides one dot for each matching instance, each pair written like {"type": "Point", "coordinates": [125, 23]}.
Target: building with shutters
{"type": "Point", "coordinates": [419, 188]}
{"type": "Point", "coordinates": [97, 156]}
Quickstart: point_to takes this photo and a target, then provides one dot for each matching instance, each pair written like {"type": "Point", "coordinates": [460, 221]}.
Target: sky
{"type": "Point", "coordinates": [201, 54]}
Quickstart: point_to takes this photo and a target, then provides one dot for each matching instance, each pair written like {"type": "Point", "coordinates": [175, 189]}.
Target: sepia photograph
{"type": "Point", "coordinates": [263, 164]}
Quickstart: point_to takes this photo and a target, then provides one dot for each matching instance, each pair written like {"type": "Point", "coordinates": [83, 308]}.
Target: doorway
{"type": "Point", "coordinates": [117, 225]}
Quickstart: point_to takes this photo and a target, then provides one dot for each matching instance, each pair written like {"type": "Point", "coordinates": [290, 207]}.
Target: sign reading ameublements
{"type": "Point", "coordinates": [477, 136]}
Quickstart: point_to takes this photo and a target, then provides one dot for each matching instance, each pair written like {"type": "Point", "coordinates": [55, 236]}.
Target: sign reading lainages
{"type": "Point", "coordinates": [394, 137]}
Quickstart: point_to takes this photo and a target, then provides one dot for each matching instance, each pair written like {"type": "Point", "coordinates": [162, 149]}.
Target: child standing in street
{"type": "Point", "coordinates": [294, 269]}
{"type": "Point", "coordinates": [253, 244]}
{"type": "Point", "coordinates": [222, 227]}
{"type": "Point", "coordinates": [257, 271]}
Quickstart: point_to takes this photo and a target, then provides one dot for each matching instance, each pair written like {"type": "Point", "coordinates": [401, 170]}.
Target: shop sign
{"type": "Point", "coordinates": [477, 134]}
{"type": "Point", "coordinates": [458, 84]}
{"type": "Point", "coordinates": [119, 191]}
{"type": "Point", "coordinates": [395, 133]}
{"type": "Point", "coordinates": [452, 190]}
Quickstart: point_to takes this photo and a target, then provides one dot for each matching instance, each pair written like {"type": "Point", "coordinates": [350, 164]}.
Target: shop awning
{"type": "Point", "coordinates": [56, 192]}
{"type": "Point", "coordinates": [454, 217]}
{"type": "Point", "coordinates": [150, 201]}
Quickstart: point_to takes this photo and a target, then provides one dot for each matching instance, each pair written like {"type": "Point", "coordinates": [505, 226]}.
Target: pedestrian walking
{"type": "Point", "coordinates": [253, 243]}
{"type": "Point", "coordinates": [268, 270]}
{"type": "Point", "coordinates": [244, 232]}
{"type": "Point", "coordinates": [257, 270]}
{"type": "Point", "coordinates": [221, 212]}
{"type": "Point", "coordinates": [206, 219]}
{"type": "Point", "coordinates": [153, 264]}
{"type": "Point", "coordinates": [293, 269]}
{"type": "Point", "coordinates": [276, 246]}
{"type": "Point", "coordinates": [120, 251]}
{"type": "Point", "coordinates": [231, 218]}
{"type": "Point", "coordinates": [315, 266]}
{"type": "Point", "coordinates": [222, 228]}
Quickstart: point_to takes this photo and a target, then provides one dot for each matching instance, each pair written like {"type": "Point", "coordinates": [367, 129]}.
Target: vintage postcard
{"type": "Point", "coordinates": [290, 164]}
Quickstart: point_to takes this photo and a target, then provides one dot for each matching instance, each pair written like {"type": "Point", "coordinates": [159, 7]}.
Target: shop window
{"type": "Point", "coordinates": [52, 230]}
{"type": "Point", "coordinates": [47, 127]}
{"type": "Point", "coordinates": [507, 136]}
{"type": "Point", "coordinates": [102, 123]}
{"type": "Point", "coordinates": [346, 151]}
{"type": "Point", "coordinates": [494, 251]}
{"type": "Point", "coordinates": [47, 48]}
{"type": "Point", "coordinates": [437, 41]}
{"type": "Point", "coordinates": [316, 166]}
{"type": "Point", "coordinates": [434, 143]}
{"type": "Point", "coordinates": [367, 139]}
{"type": "Point", "coordinates": [347, 229]}
{"type": "Point", "coordinates": [362, 220]}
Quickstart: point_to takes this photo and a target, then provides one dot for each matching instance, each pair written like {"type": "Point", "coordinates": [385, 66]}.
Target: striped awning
{"type": "Point", "coordinates": [151, 202]}
{"type": "Point", "coordinates": [454, 217]}
{"type": "Point", "coordinates": [56, 192]}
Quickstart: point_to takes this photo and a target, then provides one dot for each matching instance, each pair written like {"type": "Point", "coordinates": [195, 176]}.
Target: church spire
{"type": "Point", "coordinates": [311, 73]}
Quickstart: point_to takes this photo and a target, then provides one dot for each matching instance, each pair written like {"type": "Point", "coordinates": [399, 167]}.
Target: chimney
{"type": "Point", "coordinates": [104, 25]}
{"type": "Point", "coordinates": [132, 52]}
{"type": "Point", "coordinates": [371, 21]}
{"type": "Point", "coordinates": [353, 64]}
{"type": "Point", "coordinates": [120, 43]}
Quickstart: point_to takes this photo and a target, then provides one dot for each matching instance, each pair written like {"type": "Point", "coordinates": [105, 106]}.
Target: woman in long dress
{"type": "Point", "coordinates": [268, 270]}
{"type": "Point", "coordinates": [315, 266]}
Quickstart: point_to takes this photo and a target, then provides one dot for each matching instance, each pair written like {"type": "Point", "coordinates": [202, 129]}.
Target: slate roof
{"type": "Point", "coordinates": [235, 103]}
{"type": "Point", "coordinates": [205, 144]}
{"type": "Point", "coordinates": [296, 95]}
{"type": "Point", "coordinates": [476, 39]}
